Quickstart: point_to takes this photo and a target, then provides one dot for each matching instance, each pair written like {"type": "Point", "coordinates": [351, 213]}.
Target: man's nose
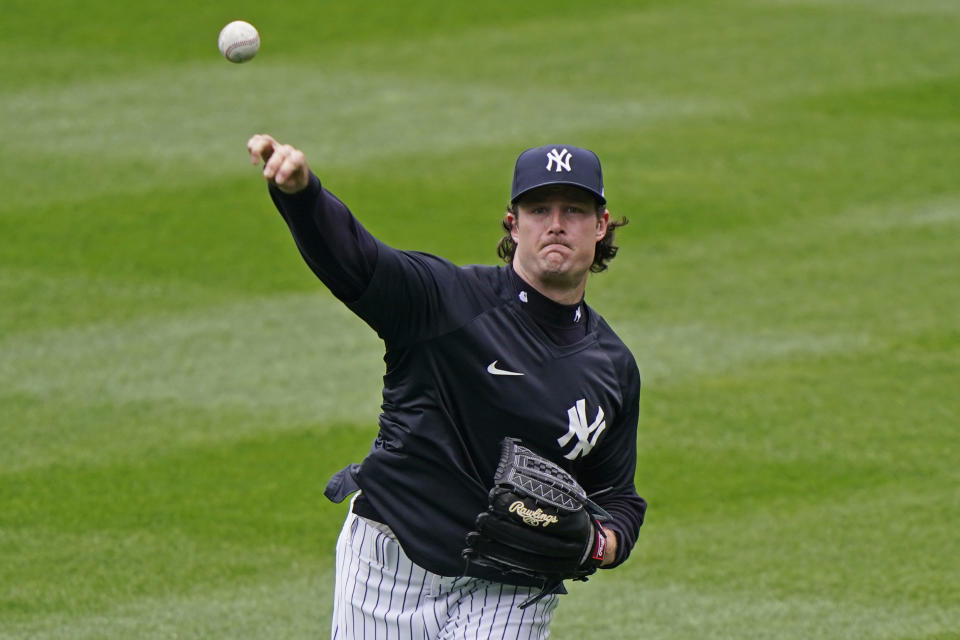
{"type": "Point", "coordinates": [556, 219]}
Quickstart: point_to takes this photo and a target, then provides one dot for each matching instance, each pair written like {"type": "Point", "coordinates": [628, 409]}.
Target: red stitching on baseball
{"type": "Point", "coordinates": [241, 43]}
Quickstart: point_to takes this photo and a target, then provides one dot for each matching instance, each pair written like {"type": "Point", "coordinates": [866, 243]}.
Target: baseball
{"type": "Point", "coordinates": [239, 41]}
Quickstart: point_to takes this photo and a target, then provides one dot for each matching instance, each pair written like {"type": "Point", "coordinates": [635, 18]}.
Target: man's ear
{"type": "Point", "coordinates": [602, 223]}
{"type": "Point", "coordinates": [511, 220]}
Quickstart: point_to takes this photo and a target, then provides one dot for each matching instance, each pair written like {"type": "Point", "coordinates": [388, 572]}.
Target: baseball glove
{"type": "Point", "coordinates": [539, 523]}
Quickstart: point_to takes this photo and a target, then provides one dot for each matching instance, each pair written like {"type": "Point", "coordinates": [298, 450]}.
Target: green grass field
{"type": "Point", "coordinates": [176, 387]}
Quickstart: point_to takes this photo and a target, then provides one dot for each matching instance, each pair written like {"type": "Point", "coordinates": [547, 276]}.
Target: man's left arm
{"type": "Point", "coordinates": [609, 472]}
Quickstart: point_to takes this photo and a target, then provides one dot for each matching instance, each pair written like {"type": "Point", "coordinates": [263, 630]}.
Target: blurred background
{"type": "Point", "coordinates": [176, 387]}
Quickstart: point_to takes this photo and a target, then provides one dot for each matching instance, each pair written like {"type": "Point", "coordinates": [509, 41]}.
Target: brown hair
{"type": "Point", "coordinates": [605, 250]}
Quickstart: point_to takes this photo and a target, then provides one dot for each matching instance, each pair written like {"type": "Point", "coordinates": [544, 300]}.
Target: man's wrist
{"type": "Point", "coordinates": [307, 193]}
{"type": "Point", "coordinates": [610, 551]}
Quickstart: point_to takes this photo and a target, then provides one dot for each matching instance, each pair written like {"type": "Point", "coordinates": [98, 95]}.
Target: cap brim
{"type": "Point", "coordinates": [598, 196]}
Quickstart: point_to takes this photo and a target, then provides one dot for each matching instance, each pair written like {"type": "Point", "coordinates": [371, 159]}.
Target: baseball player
{"type": "Point", "coordinates": [476, 356]}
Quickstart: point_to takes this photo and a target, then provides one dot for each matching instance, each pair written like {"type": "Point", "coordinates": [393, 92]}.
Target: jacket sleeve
{"type": "Point", "coordinates": [333, 243]}
{"type": "Point", "coordinates": [400, 294]}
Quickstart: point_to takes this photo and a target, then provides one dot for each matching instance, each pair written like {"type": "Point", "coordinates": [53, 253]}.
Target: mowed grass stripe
{"type": "Point", "coordinates": [41, 432]}
{"type": "Point", "coordinates": [694, 611]}
{"type": "Point", "coordinates": [858, 566]}
{"type": "Point", "coordinates": [271, 363]}
{"type": "Point", "coordinates": [265, 352]}
{"type": "Point", "coordinates": [852, 548]}
{"type": "Point", "coordinates": [846, 7]}
{"type": "Point", "coordinates": [101, 570]}
{"type": "Point", "coordinates": [845, 283]}
{"type": "Point", "coordinates": [292, 606]}
{"type": "Point", "coordinates": [845, 414]}
{"type": "Point", "coordinates": [42, 300]}
{"type": "Point", "coordinates": [158, 524]}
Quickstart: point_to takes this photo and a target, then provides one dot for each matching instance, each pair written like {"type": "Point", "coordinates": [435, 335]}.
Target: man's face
{"type": "Point", "coordinates": [556, 229]}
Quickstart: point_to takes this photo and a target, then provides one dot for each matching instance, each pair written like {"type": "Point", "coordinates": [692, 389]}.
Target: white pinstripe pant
{"type": "Point", "coordinates": [382, 595]}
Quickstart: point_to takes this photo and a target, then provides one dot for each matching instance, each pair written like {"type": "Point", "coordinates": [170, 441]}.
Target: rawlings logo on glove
{"type": "Point", "coordinates": [531, 517]}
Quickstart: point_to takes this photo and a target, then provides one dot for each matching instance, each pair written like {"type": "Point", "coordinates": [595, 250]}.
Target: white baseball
{"type": "Point", "coordinates": [238, 41]}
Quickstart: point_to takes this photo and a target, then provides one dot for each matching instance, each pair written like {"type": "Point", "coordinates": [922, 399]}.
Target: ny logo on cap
{"type": "Point", "coordinates": [562, 158]}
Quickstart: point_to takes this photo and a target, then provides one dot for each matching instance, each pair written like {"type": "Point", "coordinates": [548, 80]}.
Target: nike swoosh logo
{"type": "Point", "coordinates": [492, 368]}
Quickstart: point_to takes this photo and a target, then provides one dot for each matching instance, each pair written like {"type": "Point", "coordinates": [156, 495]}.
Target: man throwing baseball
{"type": "Point", "coordinates": [505, 457]}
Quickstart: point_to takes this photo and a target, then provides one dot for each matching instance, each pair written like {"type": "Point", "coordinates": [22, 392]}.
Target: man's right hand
{"type": "Point", "coordinates": [283, 166]}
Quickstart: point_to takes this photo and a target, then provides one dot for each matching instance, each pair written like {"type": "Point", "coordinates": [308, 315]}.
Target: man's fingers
{"type": "Point", "coordinates": [261, 147]}
{"type": "Point", "coordinates": [286, 168]}
{"type": "Point", "coordinates": [280, 153]}
{"type": "Point", "coordinates": [291, 166]}
{"type": "Point", "coordinates": [283, 165]}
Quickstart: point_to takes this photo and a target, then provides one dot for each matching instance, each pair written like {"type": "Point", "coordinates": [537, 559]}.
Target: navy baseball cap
{"type": "Point", "coordinates": [557, 164]}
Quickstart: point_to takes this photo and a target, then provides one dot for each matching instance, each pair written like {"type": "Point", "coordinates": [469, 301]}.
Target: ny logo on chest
{"type": "Point", "coordinates": [586, 433]}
